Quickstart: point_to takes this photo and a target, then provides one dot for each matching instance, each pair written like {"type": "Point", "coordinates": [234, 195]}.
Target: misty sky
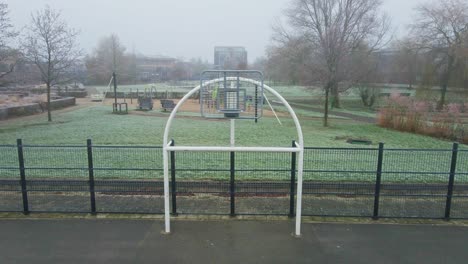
{"type": "Point", "coordinates": [180, 28]}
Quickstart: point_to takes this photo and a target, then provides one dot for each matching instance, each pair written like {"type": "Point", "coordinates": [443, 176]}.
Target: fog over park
{"type": "Point", "coordinates": [183, 29]}
{"type": "Point", "coordinates": [231, 108]}
{"type": "Point", "coordinates": [336, 48]}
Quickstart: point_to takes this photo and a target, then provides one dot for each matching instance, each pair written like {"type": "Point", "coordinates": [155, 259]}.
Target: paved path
{"type": "Point", "coordinates": [141, 241]}
{"type": "Point", "coordinates": [359, 118]}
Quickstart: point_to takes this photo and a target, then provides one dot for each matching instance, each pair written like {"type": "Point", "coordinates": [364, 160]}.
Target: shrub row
{"type": "Point", "coordinates": [409, 115]}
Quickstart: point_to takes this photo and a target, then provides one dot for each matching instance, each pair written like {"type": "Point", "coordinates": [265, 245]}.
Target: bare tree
{"type": "Point", "coordinates": [334, 29]}
{"type": "Point", "coordinates": [440, 28]}
{"type": "Point", "coordinates": [406, 61]}
{"type": "Point", "coordinates": [197, 66]}
{"type": "Point", "coordinates": [363, 68]}
{"type": "Point", "coordinates": [108, 57]}
{"type": "Point", "coordinates": [8, 55]}
{"type": "Point", "coordinates": [179, 72]}
{"type": "Point", "coordinates": [51, 45]}
{"type": "Point", "coordinates": [290, 62]}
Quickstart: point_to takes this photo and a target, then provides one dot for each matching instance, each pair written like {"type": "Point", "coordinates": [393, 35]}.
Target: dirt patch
{"type": "Point", "coordinates": [315, 205]}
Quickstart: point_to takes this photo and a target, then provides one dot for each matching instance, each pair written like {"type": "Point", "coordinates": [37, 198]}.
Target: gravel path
{"type": "Point", "coordinates": [364, 119]}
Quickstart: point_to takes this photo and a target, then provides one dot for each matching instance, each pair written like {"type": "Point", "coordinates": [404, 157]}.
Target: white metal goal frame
{"type": "Point", "coordinates": [299, 148]}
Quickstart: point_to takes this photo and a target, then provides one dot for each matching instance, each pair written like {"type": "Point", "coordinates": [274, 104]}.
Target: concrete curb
{"type": "Point", "coordinates": [306, 219]}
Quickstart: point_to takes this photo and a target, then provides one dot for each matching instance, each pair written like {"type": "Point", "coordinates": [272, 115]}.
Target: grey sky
{"type": "Point", "coordinates": [183, 28]}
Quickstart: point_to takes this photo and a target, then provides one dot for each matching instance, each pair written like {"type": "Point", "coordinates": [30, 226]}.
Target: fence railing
{"type": "Point", "coordinates": [358, 182]}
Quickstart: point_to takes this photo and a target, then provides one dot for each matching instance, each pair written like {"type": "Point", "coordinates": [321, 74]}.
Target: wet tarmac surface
{"type": "Point", "coordinates": [141, 241]}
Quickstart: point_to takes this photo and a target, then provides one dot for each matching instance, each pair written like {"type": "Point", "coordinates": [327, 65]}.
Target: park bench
{"type": "Point", "coordinates": [167, 104]}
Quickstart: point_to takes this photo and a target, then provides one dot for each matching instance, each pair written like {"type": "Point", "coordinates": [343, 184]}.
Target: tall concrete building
{"type": "Point", "coordinates": [230, 58]}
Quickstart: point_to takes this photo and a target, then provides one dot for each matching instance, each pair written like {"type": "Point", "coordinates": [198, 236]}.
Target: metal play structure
{"type": "Point", "coordinates": [118, 108]}
{"type": "Point", "coordinates": [233, 95]}
{"type": "Point", "coordinates": [145, 100]}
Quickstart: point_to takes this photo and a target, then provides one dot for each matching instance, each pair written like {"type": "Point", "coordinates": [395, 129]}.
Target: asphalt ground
{"type": "Point", "coordinates": [228, 241]}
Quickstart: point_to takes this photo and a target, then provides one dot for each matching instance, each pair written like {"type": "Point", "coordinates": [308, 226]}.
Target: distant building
{"type": "Point", "coordinates": [154, 68]}
{"type": "Point", "coordinates": [230, 58]}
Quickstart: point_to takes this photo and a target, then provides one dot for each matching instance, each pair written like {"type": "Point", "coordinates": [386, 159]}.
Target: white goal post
{"type": "Point", "coordinates": [299, 148]}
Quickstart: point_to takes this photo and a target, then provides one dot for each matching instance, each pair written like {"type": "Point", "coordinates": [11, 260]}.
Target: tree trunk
{"type": "Point", "coordinates": [443, 92]}
{"type": "Point", "coordinates": [410, 76]}
{"type": "Point", "coordinates": [335, 96]}
{"type": "Point", "coordinates": [445, 83]}
{"type": "Point", "coordinates": [49, 114]}
{"type": "Point", "coordinates": [364, 94]}
{"type": "Point", "coordinates": [325, 112]}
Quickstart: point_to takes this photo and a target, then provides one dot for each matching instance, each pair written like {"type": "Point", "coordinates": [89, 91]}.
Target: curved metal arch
{"type": "Point", "coordinates": [299, 137]}
{"type": "Point", "coordinates": [196, 89]}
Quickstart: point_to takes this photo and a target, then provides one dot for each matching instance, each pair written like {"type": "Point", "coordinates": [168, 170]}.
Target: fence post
{"type": "Point", "coordinates": [232, 187]}
{"type": "Point", "coordinates": [173, 181]}
{"type": "Point", "coordinates": [378, 180]}
{"type": "Point", "coordinates": [24, 191]}
{"type": "Point", "coordinates": [256, 103]}
{"type": "Point", "coordinates": [292, 185]}
{"type": "Point", "coordinates": [92, 194]}
{"type": "Point", "coordinates": [453, 168]}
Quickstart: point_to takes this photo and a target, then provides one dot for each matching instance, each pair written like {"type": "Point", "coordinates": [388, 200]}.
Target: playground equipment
{"type": "Point", "coordinates": [145, 101]}
{"type": "Point", "coordinates": [167, 105]}
{"type": "Point", "coordinates": [118, 108]}
{"type": "Point", "coordinates": [231, 97]}
{"type": "Point", "coordinates": [225, 95]}
{"type": "Point", "coordinates": [101, 96]}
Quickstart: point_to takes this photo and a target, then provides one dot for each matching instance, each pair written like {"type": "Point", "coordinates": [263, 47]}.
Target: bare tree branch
{"type": "Point", "coordinates": [441, 28]}
{"type": "Point", "coordinates": [333, 31]}
{"type": "Point", "coordinates": [51, 45]}
{"type": "Point", "coordinates": [8, 55]}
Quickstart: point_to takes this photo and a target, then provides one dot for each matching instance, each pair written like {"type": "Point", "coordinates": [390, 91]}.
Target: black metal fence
{"type": "Point", "coordinates": [355, 182]}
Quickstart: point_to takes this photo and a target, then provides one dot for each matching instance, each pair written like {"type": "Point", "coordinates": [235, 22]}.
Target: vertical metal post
{"type": "Point", "coordinates": [115, 87]}
{"type": "Point", "coordinates": [293, 182]}
{"type": "Point", "coordinates": [200, 94]}
{"type": "Point", "coordinates": [378, 181]}
{"type": "Point", "coordinates": [24, 190]}
{"type": "Point", "coordinates": [225, 83]}
{"type": "Point", "coordinates": [225, 99]}
{"type": "Point", "coordinates": [453, 168]}
{"type": "Point", "coordinates": [232, 183]}
{"type": "Point", "coordinates": [233, 133]}
{"type": "Point", "coordinates": [300, 171]}
{"type": "Point", "coordinates": [173, 181]}
{"type": "Point", "coordinates": [92, 193]}
{"type": "Point", "coordinates": [232, 187]}
{"type": "Point", "coordinates": [256, 103]}
{"type": "Point", "coordinates": [167, 216]}
{"type": "Point", "coordinates": [238, 92]}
